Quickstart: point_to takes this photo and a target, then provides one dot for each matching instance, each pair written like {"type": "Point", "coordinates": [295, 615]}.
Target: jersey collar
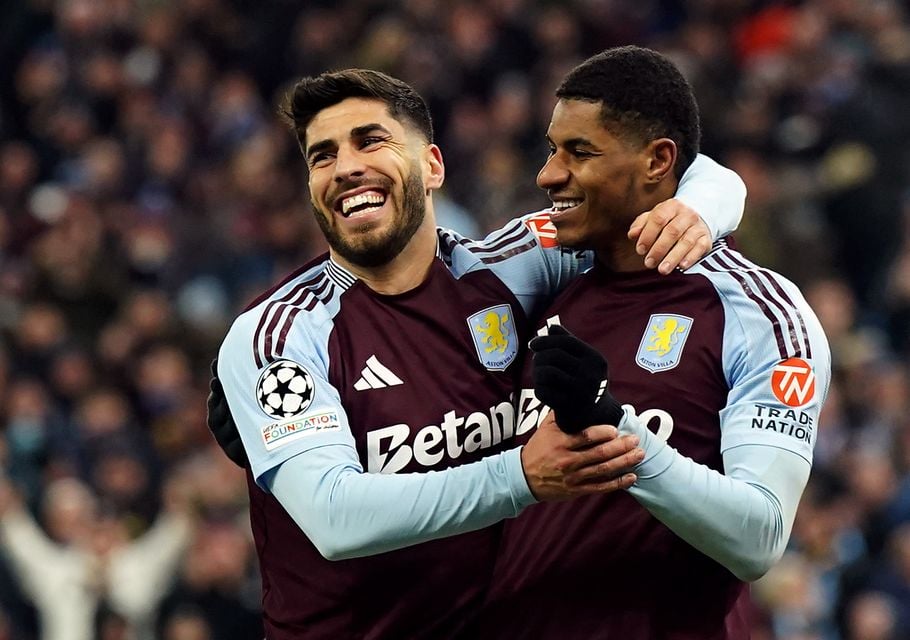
{"type": "Point", "coordinates": [340, 276]}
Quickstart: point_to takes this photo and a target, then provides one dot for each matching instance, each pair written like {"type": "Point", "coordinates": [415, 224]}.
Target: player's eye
{"type": "Point", "coordinates": [581, 154]}
{"type": "Point", "coordinates": [370, 141]}
{"type": "Point", "coordinates": [320, 159]}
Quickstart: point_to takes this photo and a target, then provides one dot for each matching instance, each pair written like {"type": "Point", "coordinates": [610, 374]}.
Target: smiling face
{"type": "Point", "coordinates": [595, 179]}
{"type": "Point", "coordinates": [370, 179]}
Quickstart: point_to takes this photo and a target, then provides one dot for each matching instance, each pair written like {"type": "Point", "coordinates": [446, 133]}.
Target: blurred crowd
{"type": "Point", "coordinates": [148, 191]}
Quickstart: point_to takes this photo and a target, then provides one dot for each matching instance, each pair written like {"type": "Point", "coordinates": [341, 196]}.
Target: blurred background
{"type": "Point", "coordinates": [148, 192]}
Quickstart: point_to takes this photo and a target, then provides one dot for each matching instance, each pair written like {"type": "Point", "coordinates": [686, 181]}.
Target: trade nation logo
{"type": "Point", "coordinates": [793, 382]}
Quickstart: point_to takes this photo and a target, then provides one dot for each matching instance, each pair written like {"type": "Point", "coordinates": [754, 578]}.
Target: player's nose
{"type": "Point", "coordinates": [552, 174]}
{"type": "Point", "coordinates": [349, 163]}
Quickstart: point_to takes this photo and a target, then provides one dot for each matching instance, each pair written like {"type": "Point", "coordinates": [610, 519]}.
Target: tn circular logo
{"type": "Point", "coordinates": [793, 382]}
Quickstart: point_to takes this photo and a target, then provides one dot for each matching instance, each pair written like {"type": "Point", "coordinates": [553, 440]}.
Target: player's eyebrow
{"type": "Point", "coordinates": [356, 132]}
{"type": "Point", "coordinates": [361, 131]}
{"type": "Point", "coordinates": [573, 143]}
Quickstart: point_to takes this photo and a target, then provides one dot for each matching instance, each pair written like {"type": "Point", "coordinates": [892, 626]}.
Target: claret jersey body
{"type": "Point", "coordinates": [414, 382]}
{"type": "Point", "coordinates": [722, 355]}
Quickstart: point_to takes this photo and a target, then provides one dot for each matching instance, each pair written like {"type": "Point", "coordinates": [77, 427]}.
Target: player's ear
{"type": "Point", "coordinates": [436, 169]}
{"type": "Point", "coordinates": [661, 158]}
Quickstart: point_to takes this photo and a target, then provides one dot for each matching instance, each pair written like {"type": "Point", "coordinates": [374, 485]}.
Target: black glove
{"type": "Point", "coordinates": [567, 376]}
{"type": "Point", "coordinates": [221, 422]}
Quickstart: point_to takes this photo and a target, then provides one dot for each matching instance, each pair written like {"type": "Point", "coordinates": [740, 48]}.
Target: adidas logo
{"type": "Point", "coordinates": [376, 376]}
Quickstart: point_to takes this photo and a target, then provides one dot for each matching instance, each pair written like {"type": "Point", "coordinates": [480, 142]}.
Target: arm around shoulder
{"type": "Point", "coordinates": [717, 193]}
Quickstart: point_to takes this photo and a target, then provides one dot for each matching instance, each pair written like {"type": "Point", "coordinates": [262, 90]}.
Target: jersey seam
{"type": "Point", "coordinates": [763, 444]}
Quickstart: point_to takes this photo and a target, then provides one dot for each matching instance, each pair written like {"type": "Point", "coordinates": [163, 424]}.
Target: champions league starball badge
{"type": "Point", "coordinates": [285, 389]}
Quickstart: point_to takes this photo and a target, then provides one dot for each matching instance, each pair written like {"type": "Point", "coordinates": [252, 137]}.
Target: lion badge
{"type": "Point", "coordinates": [663, 341]}
{"type": "Point", "coordinates": [493, 331]}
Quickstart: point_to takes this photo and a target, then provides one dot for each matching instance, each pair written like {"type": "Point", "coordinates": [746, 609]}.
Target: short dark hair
{"type": "Point", "coordinates": [643, 94]}
{"type": "Point", "coordinates": [315, 93]}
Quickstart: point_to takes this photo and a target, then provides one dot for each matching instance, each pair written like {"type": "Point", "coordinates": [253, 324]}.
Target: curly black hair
{"type": "Point", "coordinates": [644, 97]}
{"type": "Point", "coordinates": [314, 93]}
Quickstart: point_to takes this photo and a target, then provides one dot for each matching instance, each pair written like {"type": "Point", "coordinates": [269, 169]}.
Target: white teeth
{"type": "Point", "coordinates": [361, 212]}
{"type": "Point", "coordinates": [370, 197]}
{"type": "Point", "coordinates": [559, 205]}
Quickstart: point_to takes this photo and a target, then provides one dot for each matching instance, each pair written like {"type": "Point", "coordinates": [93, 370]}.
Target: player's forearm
{"type": "Point", "coordinates": [347, 513]}
{"type": "Point", "coordinates": [718, 195]}
{"type": "Point", "coordinates": [742, 519]}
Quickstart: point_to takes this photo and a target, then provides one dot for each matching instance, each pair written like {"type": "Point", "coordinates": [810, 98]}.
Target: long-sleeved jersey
{"type": "Point", "coordinates": [407, 383]}
{"type": "Point", "coordinates": [724, 356]}
{"type": "Point", "coordinates": [350, 403]}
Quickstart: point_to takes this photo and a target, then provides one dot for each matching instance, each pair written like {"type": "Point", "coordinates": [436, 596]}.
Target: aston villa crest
{"type": "Point", "coordinates": [663, 341]}
{"type": "Point", "coordinates": [493, 332]}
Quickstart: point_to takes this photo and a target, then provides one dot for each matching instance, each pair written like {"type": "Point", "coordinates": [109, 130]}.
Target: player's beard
{"type": "Point", "coordinates": [366, 249]}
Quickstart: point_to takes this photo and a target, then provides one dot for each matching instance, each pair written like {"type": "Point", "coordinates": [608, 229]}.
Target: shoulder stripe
{"type": "Point", "coordinates": [268, 349]}
{"type": "Point", "coordinates": [772, 280]}
{"type": "Point", "coordinates": [322, 294]}
{"type": "Point", "coordinates": [273, 311]}
{"type": "Point", "coordinates": [754, 288]}
{"type": "Point", "coordinates": [501, 243]}
{"type": "Point", "coordinates": [710, 266]}
{"type": "Point", "coordinates": [445, 246]}
{"type": "Point", "coordinates": [719, 244]}
{"type": "Point", "coordinates": [304, 296]}
{"type": "Point", "coordinates": [279, 347]}
{"type": "Point", "coordinates": [277, 312]}
{"type": "Point", "coordinates": [507, 230]}
{"type": "Point", "coordinates": [451, 241]}
{"type": "Point", "coordinates": [323, 286]}
{"type": "Point", "coordinates": [496, 247]}
{"type": "Point", "coordinates": [514, 251]}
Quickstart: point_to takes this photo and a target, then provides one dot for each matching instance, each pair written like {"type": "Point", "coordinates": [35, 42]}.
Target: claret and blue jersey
{"type": "Point", "coordinates": [723, 355]}
{"type": "Point", "coordinates": [414, 382]}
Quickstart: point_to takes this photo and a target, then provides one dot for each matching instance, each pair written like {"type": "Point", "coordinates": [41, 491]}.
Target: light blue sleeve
{"type": "Point", "coordinates": [272, 435]}
{"type": "Point", "coordinates": [524, 255]}
{"type": "Point", "coordinates": [347, 513]}
{"type": "Point", "coordinates": [741, 518]}
{"type": "Point", "coordinates": [718, 195]}
{"type": "Point", "coordinates": [775, 358]}
{"type": "Point", "coordinates": [777, 364]}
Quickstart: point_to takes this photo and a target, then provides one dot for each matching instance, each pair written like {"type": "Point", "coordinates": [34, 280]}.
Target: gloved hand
{"type": "Point", "coordinates": [221, 423]}
{"type": "Point", "coordinates": [568, 374]}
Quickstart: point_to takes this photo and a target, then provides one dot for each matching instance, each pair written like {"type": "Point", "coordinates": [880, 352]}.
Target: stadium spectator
{"type": "Point", "coordinates": [214, 586]}
{"type": "Point", "coordinates": [86, 559]}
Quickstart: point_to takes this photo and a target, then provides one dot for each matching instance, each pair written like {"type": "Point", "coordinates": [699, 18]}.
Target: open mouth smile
{"type": "Point", "coordinates": [563, 206]}
{"type": "Point", "coordinates": [360, 202]}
